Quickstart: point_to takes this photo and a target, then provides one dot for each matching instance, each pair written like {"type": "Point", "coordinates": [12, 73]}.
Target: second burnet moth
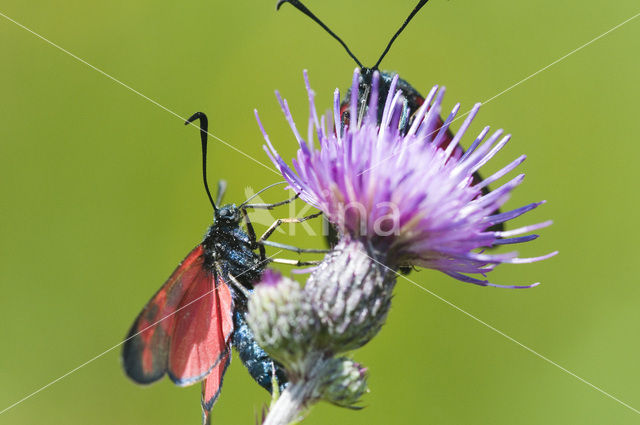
{"type": "Point", "coordinates": [411, 97]}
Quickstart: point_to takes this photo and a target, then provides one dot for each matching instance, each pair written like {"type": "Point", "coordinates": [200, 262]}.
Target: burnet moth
{"type": "Point", "coordinates": [188, 327]}
{"type": "Point", "coordinates": [411, 98]}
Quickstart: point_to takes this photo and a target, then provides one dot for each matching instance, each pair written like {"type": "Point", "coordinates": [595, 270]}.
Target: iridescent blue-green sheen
{"type": "Point", "coordinates": [255, 359]}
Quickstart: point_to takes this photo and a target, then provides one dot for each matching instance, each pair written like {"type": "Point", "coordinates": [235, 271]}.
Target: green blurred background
{"type": "Point", "coordinates": [101, 197]}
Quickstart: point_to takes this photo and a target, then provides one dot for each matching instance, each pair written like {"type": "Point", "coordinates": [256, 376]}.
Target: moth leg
{"type": "Point", "coordinates": [296, 263]}
{"type": "Point", "coordinates": [237, 285]}
{"type": "Point", "coordinates": [252, 235]}
{"type": "Point", "coordinates": [271, 206]}
{"type": "Point", "coordinates": [294, 248]}
{"type": "Point", "coordinates": [280, 221]}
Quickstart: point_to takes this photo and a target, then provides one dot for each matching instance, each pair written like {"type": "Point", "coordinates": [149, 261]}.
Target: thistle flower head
{"type": "Point", "coordinates": [408, 194]}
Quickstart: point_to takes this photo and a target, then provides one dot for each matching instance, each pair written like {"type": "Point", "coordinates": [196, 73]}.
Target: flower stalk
{"type": "Point", "coordinates": [298, 395]}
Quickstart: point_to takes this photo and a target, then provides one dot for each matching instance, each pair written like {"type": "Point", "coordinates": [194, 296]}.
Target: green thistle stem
{"type": "Point", "coordinates": [298, 395]}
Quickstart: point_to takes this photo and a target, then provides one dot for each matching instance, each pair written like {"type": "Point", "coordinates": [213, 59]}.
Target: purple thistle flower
{"type": "Point", "coordinates": [412, 200]}
{"type": "Point", "coordinates": [270, 278]}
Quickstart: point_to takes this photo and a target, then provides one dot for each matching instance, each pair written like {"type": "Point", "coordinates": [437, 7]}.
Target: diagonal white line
{"type": "Point", "coordinates": [515, 341]}
{"type": "Point", "coordinates": [560, 59]}
{"type": "Point", "coordinates": [253, 159]}
{"type": "Point", "coordinates": [531, 350]}
{"type": "Point", "coordinates": [122, 342]}
{"type": "Point", "coordinates": [114, 79]}
{"type": "Point", "coordinates": [577, 49]}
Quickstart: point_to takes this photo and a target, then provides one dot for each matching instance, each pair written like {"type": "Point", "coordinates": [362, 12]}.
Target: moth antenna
{"type": "Point", "coordinates": [302, 8]}
{"type": "Point", "coordinates": [259, 192]}
{"type": "Point", "coordinates": [413, 13]}
{"type": "Point", "coordinates": [204, 130]}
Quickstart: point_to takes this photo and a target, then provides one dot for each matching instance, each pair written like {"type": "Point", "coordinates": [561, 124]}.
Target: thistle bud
{"type": "Point", "coordinates": [343, 382]}
{"type": "Point", "coordinates": [351, 295]}
{"type": "Point", "coordinates": [281, 319]}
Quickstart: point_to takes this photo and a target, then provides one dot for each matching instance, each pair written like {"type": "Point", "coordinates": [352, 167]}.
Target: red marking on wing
{"type": "Point", "coordinates": [203, 328]}
{"type": "Point", "coordinates": [344, 108]}
{"type": "Point", "coordinates": [146, 350]}
{"type": "Point", "coordinates": [211, 387]}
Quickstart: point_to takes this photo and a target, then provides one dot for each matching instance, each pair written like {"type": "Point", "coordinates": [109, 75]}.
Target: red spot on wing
{"type": "Point", "coordinates": [344, 107]}
{"type": "Point", "coordinates": [211, 386]}
{"type": "Point", "coordinates": [203, 328]}
{"type": "Point", "coordinates": [146, 350]}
